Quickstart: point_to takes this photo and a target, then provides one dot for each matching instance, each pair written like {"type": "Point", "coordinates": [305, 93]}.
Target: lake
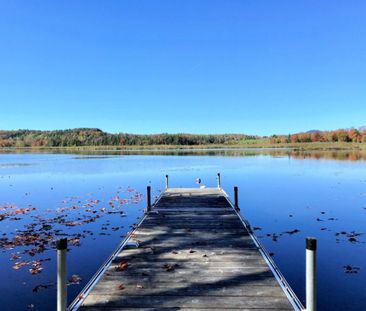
{"type": "Point", "coordinates": [95, 198]}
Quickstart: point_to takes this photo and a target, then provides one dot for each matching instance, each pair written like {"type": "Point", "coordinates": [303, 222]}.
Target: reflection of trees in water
{"type": "Point", "coordinates": [330, 155]}
{"type": "Point", "coordinates": [353, 155]}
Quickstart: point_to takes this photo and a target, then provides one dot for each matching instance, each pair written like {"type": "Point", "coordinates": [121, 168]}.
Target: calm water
{"type": "Point", "coordinates": [94, 200]}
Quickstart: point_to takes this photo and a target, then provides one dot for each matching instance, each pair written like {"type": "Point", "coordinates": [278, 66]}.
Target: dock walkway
{"type": "Point", "coordinates": [195, 253]}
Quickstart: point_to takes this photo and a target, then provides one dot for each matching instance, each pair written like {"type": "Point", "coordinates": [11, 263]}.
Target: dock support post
{"type": "Point", "coordinates": [311, 274]}
{"type": "Point", "coordinates": [148, 198]}
{"type": "Point", "coordinates": [236, 200]}
{"type": "Point", "coordinates": [166, 181]}
{"type": "Point", "coordinates": [61, 246]}
{"type": "Point", "coordinates": [219, 180]}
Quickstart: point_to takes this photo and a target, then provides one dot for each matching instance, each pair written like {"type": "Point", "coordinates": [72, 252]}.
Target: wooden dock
{"type": "Point", "coordinates": [195, 252]}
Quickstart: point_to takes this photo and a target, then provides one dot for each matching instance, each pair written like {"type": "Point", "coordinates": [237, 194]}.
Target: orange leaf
{"type": "Point", "coordinates": [123, 265]}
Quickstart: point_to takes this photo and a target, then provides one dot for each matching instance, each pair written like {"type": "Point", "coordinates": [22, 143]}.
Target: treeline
{"type": "Point", "coordinates": [341, 135]}
{"type": "Point", "coordinates": [96, 137]}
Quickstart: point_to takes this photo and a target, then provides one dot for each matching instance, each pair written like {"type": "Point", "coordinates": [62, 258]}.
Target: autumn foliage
{"type": "Point", "coordinates": [341, 135]}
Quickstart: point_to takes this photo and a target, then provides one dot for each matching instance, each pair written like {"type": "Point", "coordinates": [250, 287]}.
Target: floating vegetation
{"type": "Point", "coordinates": [74, 280]}
{"type": "Point", "coordinates": [45, 227]}
{"type": "Point", "coordinates": [12, 210]}
{"type": "Point", "coordinates": [40, 229]}
{"type": "Point", "coordinates": [86, 157]}
{"type": "Point", "coordinates": [12, 165]}
{"type": "Point", "coordinates": [350, 269]}
{"type": "Point", "coordinates": [351, 236]}
{"type": "Point", "coordinates": [37, 288]}
{"type": "Point", "coordinates": [292, 231]}
{"type": "Point", "coordinates": [274, 236]}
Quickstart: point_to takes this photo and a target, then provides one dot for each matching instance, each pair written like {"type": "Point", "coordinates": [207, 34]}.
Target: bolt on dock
{"type": "Point", "coordinates": [191, 251]}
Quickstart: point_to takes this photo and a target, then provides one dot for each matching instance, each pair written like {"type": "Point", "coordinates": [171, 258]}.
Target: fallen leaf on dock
{"type": "Point", "coordinates": [170, 268]}
{"type": "Point", "coordinates": [123, 265]}
{"type": "Point", "coordinates": [121, 287]}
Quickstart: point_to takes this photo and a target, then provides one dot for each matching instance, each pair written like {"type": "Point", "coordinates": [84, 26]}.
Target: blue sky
{"type": "Point", "coordinates": [150, 66]}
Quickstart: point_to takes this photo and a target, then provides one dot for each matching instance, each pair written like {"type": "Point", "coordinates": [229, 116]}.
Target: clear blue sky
{"type": "Point", "coordinates": [150, 66]}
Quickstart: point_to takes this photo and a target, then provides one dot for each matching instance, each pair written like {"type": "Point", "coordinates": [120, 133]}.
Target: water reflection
{"type": "Point", "coordinates": [331, 154]}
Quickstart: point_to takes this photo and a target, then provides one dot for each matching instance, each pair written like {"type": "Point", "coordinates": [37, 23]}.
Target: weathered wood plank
{"type": "Point", "coordinates": [253, 261]}
{"type": "Point", "coordinates": [196, 225]}
{"type": "Point", "coordinates": [161, 272]}
{"type": "Point", "coordinates": [185, 302]}
{"type": "Point", "coordinates": [165, 230]}
{"type": "Point", "coordinates": [179, 289]}
{"type": "Point", "coordinates": [208, 234]}
{"type": "Point", "coordinates": [194, 216]}
{"type": "Point", "coordinates": [198, 211]}
{"type": "Point", "coordinates": [191, 257]}
{"type": "Point", "coordinates": [168, 280]}
{"type": "Point", "coordinates": [101, 308]}
{"type": "Point", "coordinates": [194, 243]}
